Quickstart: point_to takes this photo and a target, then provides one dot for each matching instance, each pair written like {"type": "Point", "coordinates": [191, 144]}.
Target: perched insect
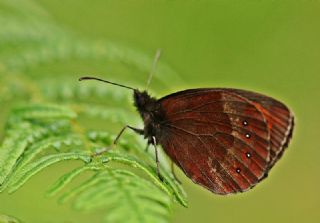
{"type": "Point", "coordinates": [226, 140]}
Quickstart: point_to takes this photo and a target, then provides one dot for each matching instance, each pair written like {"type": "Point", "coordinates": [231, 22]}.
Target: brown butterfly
{"type": "Point", "coordinates": [226, 140]}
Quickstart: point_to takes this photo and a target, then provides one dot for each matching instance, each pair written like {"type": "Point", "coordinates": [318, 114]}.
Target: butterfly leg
{"type": "Point", "coordinates": [139, 131]}
{"type": "Point", "coordinates": [174, 174]}
{"type": "Point", "coordinates": [154, 143]}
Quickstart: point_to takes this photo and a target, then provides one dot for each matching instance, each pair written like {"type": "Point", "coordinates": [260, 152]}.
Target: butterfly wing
{"type": "Point", "coordinates": [220, 138]}
{"type": "Point", "coordinates": [280, 122]}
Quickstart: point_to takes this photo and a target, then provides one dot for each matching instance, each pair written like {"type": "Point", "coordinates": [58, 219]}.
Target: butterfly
{"type": "Point", "coordinates": [225, 140]}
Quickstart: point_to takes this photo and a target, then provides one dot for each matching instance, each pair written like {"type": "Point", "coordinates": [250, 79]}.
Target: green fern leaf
{"type": "Point", "coordinates": [8, 219]}
{"type": "Point", "coordinates": [68, 177]}
{"type": "Point", "coordinates": [121, 192]}
{"type": "Point", "coordinates": [40, 146]}
{"type": "Point", "coordinates": [31, 169]}
{"type": "Point", "coordinates": [38, 135]}
{"type": "Point", "coordinates": [21, 133]}
{"type": "Point", "coordinates": [170, 185]}
{"type": "Point", "coordinates": [149, 169]}
{"type": "Point", "coordinates": [42, 111]}
{"type": "Point", "coordinates": [15, 143]}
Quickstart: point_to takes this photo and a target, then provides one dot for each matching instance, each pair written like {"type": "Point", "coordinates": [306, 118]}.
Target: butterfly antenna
{"type": "Point", "coordinates": [109, 82]}
{"type": "Point", "coordinates": [154, 66]}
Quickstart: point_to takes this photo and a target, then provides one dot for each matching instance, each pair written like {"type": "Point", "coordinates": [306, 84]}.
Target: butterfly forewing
{"type": "Point", "coordinates": [218, 137]}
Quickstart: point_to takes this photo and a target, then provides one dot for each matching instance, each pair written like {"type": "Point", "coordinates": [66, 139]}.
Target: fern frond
{"type": "Point", "coordinates": [8, 219]}
{"type": "Point", "coordinates": [15, 143]}
{"type": "Point", "coordinates": [31, 169]}
{"type": "Point", "coordinates": [133, 146]}
{"type": "Point", "coordinates": [39, 147]}
{"type": "Point", "coordinates": [68, 177]}
{"type": "Point", "coordinates": [21, 133]}
{"type": "Point", "coordinates": [121, 192]}
{"type": "Point", "coordinates": [70, 90]}
{"type": "Point", "coordinates": [43, 111]}
{"type": "Point", "coordinates": [92, 181]}
{"type": "Point", "coordinates": [170, 185]}
{"type": "Point", "coordinates": [38, 135]}
{"type": "Point", "coordinates": [140, 200]}
{"type": "Point", "coordinates": [25, 30]}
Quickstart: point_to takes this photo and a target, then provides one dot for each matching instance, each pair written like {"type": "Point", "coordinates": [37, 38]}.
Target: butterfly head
{"type": "Point", "coordinates": [143, 101]}
{"type": "Point", "coordinates": [147, 106]}
{"type": "Point", "coordinates": [149, 110]}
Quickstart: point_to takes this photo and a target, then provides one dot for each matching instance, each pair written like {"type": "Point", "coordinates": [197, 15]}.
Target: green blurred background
{"type": "Point", "coordinates": [271, 47]}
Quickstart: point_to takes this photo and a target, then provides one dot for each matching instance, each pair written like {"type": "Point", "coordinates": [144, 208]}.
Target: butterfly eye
{"type": "Point", "coordinates": [245, 123]}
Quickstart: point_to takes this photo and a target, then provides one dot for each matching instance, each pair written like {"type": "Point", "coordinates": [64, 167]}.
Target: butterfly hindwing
{"type": "Point", "coordinates": [280, 121]}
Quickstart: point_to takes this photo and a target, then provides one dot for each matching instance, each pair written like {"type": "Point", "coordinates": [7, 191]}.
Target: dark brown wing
{"type": "Point", "coordinates": [280, 122]}
{"type": "Point", "coordinates": [219, 137]}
